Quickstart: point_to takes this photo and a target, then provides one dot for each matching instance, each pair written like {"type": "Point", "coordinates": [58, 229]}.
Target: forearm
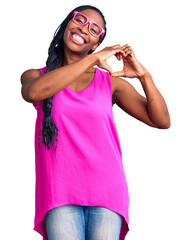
{"type": "Point", "coordinates": [156, 105]}
{"type": "Point", "coordinates": [55, 81]}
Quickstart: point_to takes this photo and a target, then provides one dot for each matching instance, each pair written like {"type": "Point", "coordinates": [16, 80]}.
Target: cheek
{"type": "Point", "coordinates": [66, 34]}
{"type": "Point", "coordinates": [93, 40]}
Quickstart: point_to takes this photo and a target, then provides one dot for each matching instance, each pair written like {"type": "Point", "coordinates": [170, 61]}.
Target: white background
{"type": "Point", "coordinates": [156, 162]}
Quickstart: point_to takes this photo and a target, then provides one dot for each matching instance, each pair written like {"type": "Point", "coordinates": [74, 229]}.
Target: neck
{"type": "Point", "coordinates": [70, 57]}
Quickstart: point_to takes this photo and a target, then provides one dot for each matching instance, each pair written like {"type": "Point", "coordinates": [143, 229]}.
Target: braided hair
{"type": "Point", "coordinates": [55, 56]}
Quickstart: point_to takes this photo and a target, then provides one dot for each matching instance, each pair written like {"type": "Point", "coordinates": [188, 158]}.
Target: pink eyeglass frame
{"type": "Point", "coordinates": [88, 21]}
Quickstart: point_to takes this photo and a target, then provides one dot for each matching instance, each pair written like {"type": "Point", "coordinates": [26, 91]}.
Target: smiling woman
{"type": "Point", "coordinates": [81, 30]}
{"type": "Point", "coordinates": [77, 38]}
{"type": "Point", "coordinates": [74, 102]}
{"type": "Point", "coordinates": [86, 175]}
{"type": "Point", "coordinates": [81, 20]}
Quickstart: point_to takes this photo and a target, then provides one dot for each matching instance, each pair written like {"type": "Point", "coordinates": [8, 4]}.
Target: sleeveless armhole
{"type": "Point", "coordinates": [110, 87]}
{"type": "Point", "coordinates": [42, 70]}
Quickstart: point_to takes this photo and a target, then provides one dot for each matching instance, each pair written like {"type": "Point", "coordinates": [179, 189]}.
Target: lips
{"type": "Point", "coordinates": [85, 41]}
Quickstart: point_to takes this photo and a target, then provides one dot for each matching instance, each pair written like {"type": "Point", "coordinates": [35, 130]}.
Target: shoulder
{"type": "Point", "coordinates": [118, 84]}
{"type": "Point", "coordinates": [119, 87]}
{"type": "Point", "coordinates": [114, 80]}
{"type": "Point", "coordinates": [29, 74]}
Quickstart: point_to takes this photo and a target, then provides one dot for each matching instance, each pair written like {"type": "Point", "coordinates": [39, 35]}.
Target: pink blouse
{"type": "Point", "coordinates": [88, 168]}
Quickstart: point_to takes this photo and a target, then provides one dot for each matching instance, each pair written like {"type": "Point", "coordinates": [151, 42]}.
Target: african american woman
{"type": "Point", "coordinates": [81, 188]}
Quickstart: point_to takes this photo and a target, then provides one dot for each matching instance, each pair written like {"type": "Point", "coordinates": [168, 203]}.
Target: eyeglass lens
{"type": "Point", "coordinates": [81, 20]}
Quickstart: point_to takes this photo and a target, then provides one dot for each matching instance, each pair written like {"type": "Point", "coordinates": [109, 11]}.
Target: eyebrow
{"type": "Point", "coordinates": [94, 22]}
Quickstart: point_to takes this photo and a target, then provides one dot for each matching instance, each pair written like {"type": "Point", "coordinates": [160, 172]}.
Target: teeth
{"type": "Point", "coordinates": [78, 38]}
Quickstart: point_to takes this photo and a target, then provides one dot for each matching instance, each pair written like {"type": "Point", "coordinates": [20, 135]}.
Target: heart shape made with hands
{"type": "Point", "coordinates": [114, 65]}
{"type": "Point", "coordinates": [131, 66]}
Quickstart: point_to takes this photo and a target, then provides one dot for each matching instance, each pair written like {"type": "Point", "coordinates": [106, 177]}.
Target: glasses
{"type": "Point", "coordinates": [81, 20]}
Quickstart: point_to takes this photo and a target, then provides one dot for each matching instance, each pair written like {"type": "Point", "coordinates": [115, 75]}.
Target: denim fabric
{"type": "Point", "coordinates": [75, 222]}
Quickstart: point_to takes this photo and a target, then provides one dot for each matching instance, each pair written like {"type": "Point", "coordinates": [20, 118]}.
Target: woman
{"type": "Point", "coordinates": [81, 192]}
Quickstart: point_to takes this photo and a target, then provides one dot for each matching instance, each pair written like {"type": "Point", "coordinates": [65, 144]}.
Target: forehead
{"type": "Point", "coordinates": [94, 16]}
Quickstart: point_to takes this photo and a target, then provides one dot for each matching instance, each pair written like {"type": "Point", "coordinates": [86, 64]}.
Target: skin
{"type": "Point", "coordinates": [74, 52]}
{"type": "Point", "coordinates": [152, 109]}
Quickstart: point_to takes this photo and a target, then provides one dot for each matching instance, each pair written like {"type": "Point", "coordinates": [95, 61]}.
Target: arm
{"type": "Point", "coordinates": [151, 110]}
{"type": "Point", "coordinates": [37, 87]}
{"type": "Point", "coordinates": [156, 105]}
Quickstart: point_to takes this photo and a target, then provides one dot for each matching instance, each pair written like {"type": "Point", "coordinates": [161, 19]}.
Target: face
{"type": "Point", "coordinates": [91, 42]}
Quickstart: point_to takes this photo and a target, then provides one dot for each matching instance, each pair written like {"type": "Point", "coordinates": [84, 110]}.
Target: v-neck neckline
{"type": "Point", "coordinates": [69, 89]}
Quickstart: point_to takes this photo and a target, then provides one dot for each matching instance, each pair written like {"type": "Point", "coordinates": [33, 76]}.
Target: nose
{"type": "Point", "coordinates": [84, 28]}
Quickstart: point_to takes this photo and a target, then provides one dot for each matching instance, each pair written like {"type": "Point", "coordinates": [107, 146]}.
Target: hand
{"type": "Point", "coordinates": [132, 67]}
{"type": "Point", "coordinates": [106, 53]}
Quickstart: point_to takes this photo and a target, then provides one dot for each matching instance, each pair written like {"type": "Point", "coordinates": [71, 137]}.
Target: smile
{"type": "Point", "coordinates": [77, 39]}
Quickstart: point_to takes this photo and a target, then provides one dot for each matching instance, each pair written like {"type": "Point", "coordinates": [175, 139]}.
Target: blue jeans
{"type": "Point", "coordinates": [75, 222]}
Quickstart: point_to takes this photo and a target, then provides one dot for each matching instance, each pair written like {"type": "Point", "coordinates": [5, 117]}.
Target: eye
{"type": "Point", "coordinates": [93, 30]}
{"type": "Point", "coordinates": [79, 21]}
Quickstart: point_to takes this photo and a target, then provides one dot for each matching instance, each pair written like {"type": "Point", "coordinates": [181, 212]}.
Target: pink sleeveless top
{"type": "Point", "coordinates": [88, 168]}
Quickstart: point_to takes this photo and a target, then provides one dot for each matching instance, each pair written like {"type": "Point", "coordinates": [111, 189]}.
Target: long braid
{"type": "Point", "coordinates": [55, 56]}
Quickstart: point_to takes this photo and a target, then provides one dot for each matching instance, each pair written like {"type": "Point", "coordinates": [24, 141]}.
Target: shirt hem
{"type": "Point", "coordinates": [39, 227]}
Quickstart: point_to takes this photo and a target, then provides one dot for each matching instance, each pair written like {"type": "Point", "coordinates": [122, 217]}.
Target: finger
{"type": "Point", "coordinates": [118, 55]}
{"type": "Point", "coordinates": [118, 74]}
{"type": "Point", "coordinates": [121, 54]}
{"type": "Point", "coordinates": [108, 68]}
{"type": "Point", "coordinates": [117, 46]}
{"type": "Point", "coordinates": [125, 46]}
{"type": "Point", "coordinates": [128, 51]}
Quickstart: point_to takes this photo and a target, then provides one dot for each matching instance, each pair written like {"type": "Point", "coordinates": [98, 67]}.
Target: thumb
{"type": "Point", "coordinates": [118, 74]}
{"type": "Point", "coordinates": [108, 68]}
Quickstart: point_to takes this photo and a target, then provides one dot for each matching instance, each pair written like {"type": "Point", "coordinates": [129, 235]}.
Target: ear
{"type": "Point", "coordinates": [95, 46]}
